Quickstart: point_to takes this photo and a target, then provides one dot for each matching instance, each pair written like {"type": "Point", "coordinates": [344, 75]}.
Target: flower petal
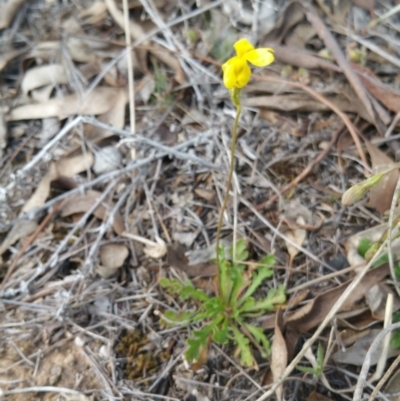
{"type": "Point", "coordinates": [243, 46]}
{"type": "Point", "coordinates": [260, 57]}
{"type": "Point", "coordinates": [237, 73]}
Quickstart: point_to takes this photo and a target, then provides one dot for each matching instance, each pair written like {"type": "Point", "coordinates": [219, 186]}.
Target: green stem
{"type": "Point", "coordinates": [229, 183]}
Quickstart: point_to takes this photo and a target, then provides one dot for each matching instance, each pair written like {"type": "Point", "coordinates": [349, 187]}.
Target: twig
{"type": "Point", "coordinates": [64, 131]}
{"type": "Point", "coordinates": [384, 379]}
{"type": "Point", "coordinates": [131, 82]}
{"type": "Point", "coordinates": [362, 378]}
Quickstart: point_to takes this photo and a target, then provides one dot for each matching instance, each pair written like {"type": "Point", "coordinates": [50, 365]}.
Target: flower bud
{"type": "Point", "coordinates": [356, 192]}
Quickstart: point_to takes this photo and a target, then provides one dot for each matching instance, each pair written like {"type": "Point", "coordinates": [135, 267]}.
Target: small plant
{"type": "Point", "coordinates": [318, 369]}
{"type": "Point", "coordinates": [226, 315]}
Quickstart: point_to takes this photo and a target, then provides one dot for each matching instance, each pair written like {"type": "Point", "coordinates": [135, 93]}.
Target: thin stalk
{"type": "Point", "coordinates": [228, 185]}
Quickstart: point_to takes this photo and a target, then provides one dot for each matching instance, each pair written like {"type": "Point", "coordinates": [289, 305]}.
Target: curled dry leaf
{"type": "Point", "coordinates": [8, 12]}
{"type": "Point", "coordinates": [94, 14]}
{"type": "Point", "coordinates": [279, 353]}
{"type": "Point", "coordinates": [298, 236]}
{"type": "Point", "coordinates": [43, 75]}
{"type": "Point", "coordinates": [112, 257]}
{"type": "Point", "coordinates": [42, 191]}
{"type": "Point", "coordinates": [81, 203]}
{"type": "Point", "coordinates": [21, 229]}
{"type": "Point", "coordinates": [380, 196]}
{"type": "Point", "coordinates": [99, 101]}
{"type": "Point", "coordinates": [70, 166]}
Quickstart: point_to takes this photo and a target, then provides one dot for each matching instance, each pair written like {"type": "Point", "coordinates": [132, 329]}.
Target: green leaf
{"type": "Point", "coordinates": [172, 317]}
{"type": "Point", "coordinates": [241, 253]}
{"type": "Point", "coordinates": [258, 334]}
{"type": "Point", "coordinates": [200, 340]}
{"type": "Point", "coordinates": [173, 286]}
{"type": "Point", "coordinates": [319, 368]}
{"type": "Point", "coordinates": [226, 283]}
{"type": "Point", "coordinates": [258, 277]}
{"type": "Point", "coordinates": [246, 357]}
{"type": "Point", "coordinates": [221, 335]}
{"type": "Point", "coordinates": [189, 292]}
{"type": "Point", "coordinates": [185, 291]}
{"type": "Point", "coordinates": [237, 280]}
{"type": "Point", "coordinates": [395, 341]}
{"type": "Point", "coordinates": [274, 297]}
{"type": "Point", "coordinates": [267, 261]}
{"type": "Point", "coordinates": [363, 246]}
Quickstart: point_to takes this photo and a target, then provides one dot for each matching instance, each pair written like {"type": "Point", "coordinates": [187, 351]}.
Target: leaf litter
{"type": "Point", "coordinates": [95, 279]}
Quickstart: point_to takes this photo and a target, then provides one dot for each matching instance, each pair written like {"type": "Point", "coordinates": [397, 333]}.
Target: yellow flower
{"type": "Point", "coordinates": [237, 72]}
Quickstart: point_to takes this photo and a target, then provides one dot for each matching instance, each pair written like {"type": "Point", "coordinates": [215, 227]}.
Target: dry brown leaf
{"type": "Point", "coordinates": [83, 202]}
{"type": "Point", "coordinates": [43, 75]}
{"type": "Point", "coordinates": [80, 51]}
{"type": "Point", "coordinates": [115, 116]}
{"type": "Point", "coordinates": [8, 12]}
{"type": "Point", "coordinates": [112, 257]}
{"type": "Point", "coordinates": [176, 258]}
{"type": "Point", "coordinates": [21, 229]}
{"type": "Point", "coordinates": [298, 236]}
{"type": "Point", "coordinates": [380, 196]}
{"type": "Point", "coordinates": [279, 353]}
{"type": "Point", "coordinates": [70, 166]}
{"type": "Point", "coordinates": [386, 94]}
{"type": "Point", "coordinates": [42, 191]}
{"type": "Point", "coordinates": [94, 14]}
{"type": "Point", "coordinates": [205, 194]}
{"type": "Point", "coordinates": [99, 101]}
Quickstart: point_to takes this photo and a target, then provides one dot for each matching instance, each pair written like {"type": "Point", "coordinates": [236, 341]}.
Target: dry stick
{"type": "Point", "coordinates": [346, 120]}
{"type": "Point", "coordinates": [229, 183]}
{"type": "Point", "coordinates": [384, 379]}
{"type": "Point", "coordinates": [362, 378]}
{"type": "Point", "coordinates": [393, 232]}
{"type": "Point", "coordinates": [131, 82]}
